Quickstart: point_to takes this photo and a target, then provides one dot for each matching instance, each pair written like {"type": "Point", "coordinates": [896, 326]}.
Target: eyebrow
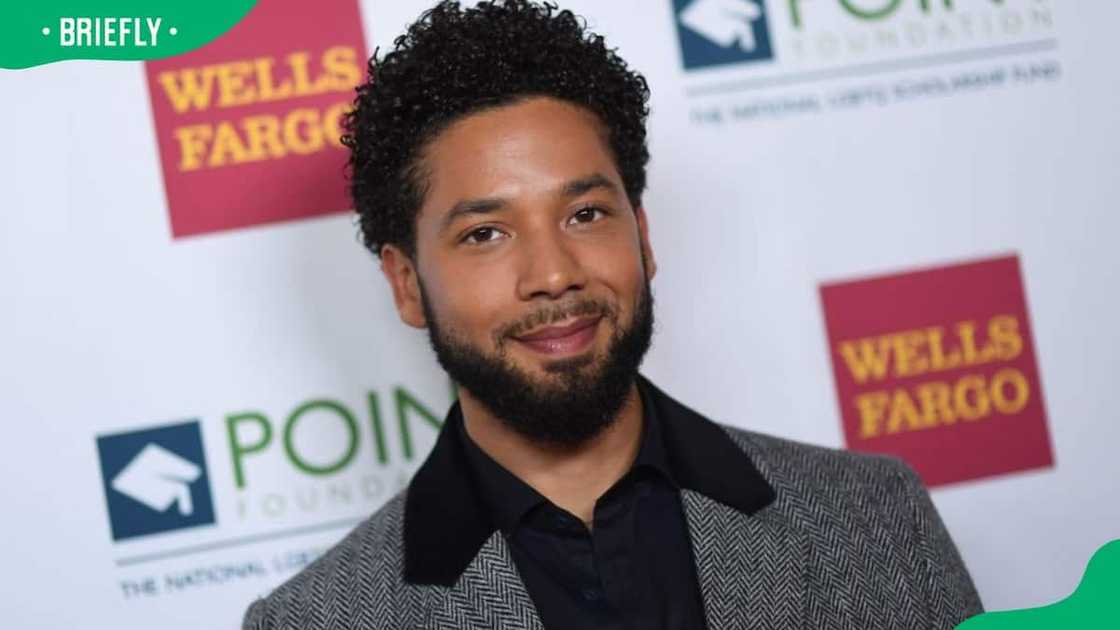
{"type": "Point", "coordinates": [584, 185]}
{"type": "Point", "coordinates": [470, 206]}
{"type": "Point", "coordinates": [486, 205]}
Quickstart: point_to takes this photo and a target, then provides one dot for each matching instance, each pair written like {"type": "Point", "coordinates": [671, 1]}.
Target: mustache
{"type": "Point", "coordinates": [560, 312]}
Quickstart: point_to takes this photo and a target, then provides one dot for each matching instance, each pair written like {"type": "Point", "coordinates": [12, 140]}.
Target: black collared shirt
{"type": "Point", "coordinates": [447, 519]}
{"type": "Point", "coordinates": [633, 570]}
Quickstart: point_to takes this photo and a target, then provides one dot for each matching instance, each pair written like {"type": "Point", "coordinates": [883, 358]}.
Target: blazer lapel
{"type": "Point", "coordinates": [750, 567]}
{"type": "Point", "coordinates": [488, 596]}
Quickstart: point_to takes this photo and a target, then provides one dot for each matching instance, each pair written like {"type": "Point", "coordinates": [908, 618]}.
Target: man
{"type": "Point", "coordinates": [498, 161]}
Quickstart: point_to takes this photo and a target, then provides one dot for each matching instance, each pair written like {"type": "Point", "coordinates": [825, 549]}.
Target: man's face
{"type": "Point", "coordinates": [532, 268]}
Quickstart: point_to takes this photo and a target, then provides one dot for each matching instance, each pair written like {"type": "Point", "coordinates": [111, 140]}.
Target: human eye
{"type": "Point", "coordinates": [484, 234]}
{"type": "Point", "coordinates": [587, 214]}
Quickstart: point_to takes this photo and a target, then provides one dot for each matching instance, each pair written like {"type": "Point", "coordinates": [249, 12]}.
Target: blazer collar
{"type": "Point", "coordinates": [446, 522]}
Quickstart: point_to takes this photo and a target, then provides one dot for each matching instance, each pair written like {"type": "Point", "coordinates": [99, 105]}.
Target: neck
{"type": "Point", "coordinates": [573, 478]}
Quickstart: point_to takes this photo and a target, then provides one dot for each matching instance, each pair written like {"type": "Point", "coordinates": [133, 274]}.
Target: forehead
{"type": "Point", "coordinates": [520, 149]}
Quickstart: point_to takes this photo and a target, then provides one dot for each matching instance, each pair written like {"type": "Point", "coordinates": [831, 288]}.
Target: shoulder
{"type": "Point", "coordinates": [810, 461]}
{"type": "Point", "coordinates": [808, 481]}
{"type": "Point", "coordinates": [859, 509]}
{"type": "Point", "coordinates": [358, 577]}
{"type": "Point", "coordinates": [821, 480]}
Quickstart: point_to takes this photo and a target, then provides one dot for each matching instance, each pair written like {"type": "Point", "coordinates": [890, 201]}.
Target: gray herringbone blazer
{"type": "Point", "coordinates": [846, 541]}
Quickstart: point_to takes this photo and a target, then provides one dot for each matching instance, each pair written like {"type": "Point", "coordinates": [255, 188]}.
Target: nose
{"type": "Point", "coordinates": [549, 266]}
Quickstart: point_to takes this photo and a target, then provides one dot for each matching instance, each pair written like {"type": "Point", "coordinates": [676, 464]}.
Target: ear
{"type": "Point", "coordinates": [400, 271]}
{"type": "Point", "coordinates": [643, 236]}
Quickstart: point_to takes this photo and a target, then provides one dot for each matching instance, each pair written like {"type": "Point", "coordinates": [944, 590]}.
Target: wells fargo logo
{"type": "Point", "coordinates": [938, 367]}
{"type": "Point", "coordinates": [249, 125]}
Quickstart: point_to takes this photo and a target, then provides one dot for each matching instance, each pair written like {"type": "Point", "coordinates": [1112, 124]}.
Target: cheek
{"type": "Point", "coordinates": [472, 302]}
{"type": "Point", "coordinates": [619, 266]}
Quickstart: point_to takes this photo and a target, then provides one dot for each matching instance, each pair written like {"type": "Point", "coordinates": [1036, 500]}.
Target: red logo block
{"type": "Point", "coordinates": [248, 126]}
{"type": "Point", "coordinates": [938, 367]}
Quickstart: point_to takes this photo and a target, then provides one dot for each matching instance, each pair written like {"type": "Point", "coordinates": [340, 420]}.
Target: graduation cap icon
{"type": "Point", "coordinates": [157, 478]}
{"type": "Point", "coordinates": [723, 22]}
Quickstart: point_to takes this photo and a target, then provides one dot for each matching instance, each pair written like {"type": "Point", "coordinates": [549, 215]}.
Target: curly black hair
{"type": "Point", "coordinates": [453, 62]}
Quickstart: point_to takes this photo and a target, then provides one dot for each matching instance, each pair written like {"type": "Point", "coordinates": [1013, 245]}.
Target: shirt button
{"type": "Point", "coordinates": [591, 594]}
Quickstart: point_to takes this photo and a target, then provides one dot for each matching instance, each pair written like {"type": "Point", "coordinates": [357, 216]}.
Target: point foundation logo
{"type": "Point", "coordinates": [717, 32]}
{"type": "Point", "coordinates": [155, 480]}
{"type": "Point", "coordinates": [248, 125]}
{"type": "Point", "coordinates": [825, 34]}
{"type": "Point", "coordinates": [938, 367]}
{"type": "Point", "coordinates": [326, 459]}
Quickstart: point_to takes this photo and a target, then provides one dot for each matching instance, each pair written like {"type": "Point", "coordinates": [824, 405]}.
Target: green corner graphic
{"type": "Point", "coordinates": [34, 32]}
{"type": "Point", "coordinates": [1094, 604]}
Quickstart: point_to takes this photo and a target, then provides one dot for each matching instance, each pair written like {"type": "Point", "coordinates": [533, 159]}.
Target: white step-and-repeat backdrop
{"type": "Point", "coordinates": [885, 225]}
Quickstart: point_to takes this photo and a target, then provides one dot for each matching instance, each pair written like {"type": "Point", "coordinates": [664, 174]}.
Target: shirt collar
{"type": "Point", "coordinates": [508, 498]}
{"type": "Point", "coordinates": [652, 453]}
{"type": "Point", "coordinates": [448, 518]}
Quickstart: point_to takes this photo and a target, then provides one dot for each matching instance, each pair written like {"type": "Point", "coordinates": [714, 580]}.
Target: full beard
{"type": "Point", "coordinates": [581, 396]}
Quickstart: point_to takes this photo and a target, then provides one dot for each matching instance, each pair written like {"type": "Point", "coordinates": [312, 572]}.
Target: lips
{"type": "Point", "coordinates": [563, 340]}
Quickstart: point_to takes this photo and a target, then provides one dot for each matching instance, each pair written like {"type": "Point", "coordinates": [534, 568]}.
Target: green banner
{"type": "Point", "coordinates": [42, 31]}
{"type": "Point", "coordinates": [1094, 604]}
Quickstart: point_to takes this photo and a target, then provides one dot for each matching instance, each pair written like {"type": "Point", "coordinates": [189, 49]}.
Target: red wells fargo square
{"type": "Point", "coordinates": [939, 367]}
{"type": "Point", "coordinates": [248, 125]}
